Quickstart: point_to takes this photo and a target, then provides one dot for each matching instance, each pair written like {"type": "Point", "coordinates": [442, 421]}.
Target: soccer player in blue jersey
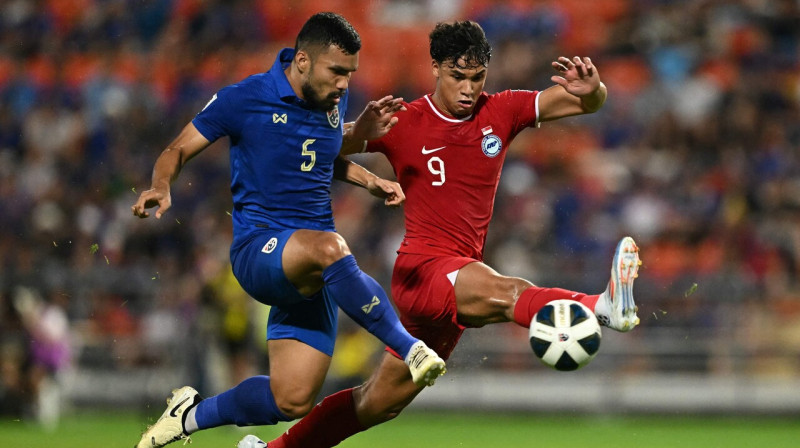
{"type": "Point", "coordinates": [286, 130]}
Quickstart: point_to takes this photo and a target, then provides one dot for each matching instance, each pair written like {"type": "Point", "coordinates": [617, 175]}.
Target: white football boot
{"type": "Point", "coordinates": [615, 309]}
{"type": "Point", "coordinates": [251, 441]}
{"type": "Point", "coordinates": [425, 365]}
{"type": "Point", "coordinates": [169, 427]}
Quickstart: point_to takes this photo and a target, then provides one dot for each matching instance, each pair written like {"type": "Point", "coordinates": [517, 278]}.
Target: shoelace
{"type": "Point", "coordinates": [418, 358]}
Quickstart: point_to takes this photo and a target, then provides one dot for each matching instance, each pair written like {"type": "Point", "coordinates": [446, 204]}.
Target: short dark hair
{"type": "Point", "coordinates": [452, 41]}
{"type": "Point", "coordinates": [325, 29]}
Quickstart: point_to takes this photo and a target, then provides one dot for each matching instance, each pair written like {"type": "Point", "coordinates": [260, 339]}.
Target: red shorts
{"type": "Point", "coordinates": [426, 300]}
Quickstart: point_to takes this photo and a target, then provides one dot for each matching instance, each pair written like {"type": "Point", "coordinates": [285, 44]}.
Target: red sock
{"type": "Point", "coordinates": [331, 421]}
{"type": "Point", "coordinates": [533, 299]}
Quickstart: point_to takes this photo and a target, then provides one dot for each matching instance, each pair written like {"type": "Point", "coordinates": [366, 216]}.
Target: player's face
{"type": "Point", "coordinates": [327, 77]}
{"type": "Point", "coordinates": [458, 86]}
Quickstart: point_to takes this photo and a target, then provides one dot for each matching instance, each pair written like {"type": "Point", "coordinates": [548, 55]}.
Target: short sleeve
{"type": "Point", "coordinates": [523, 105]}
{"type": "Point", "coordinates": [218, 116]}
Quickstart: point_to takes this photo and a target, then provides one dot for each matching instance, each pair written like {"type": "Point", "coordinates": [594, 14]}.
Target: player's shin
{"type": "Point", "coordinates": [363, 299]}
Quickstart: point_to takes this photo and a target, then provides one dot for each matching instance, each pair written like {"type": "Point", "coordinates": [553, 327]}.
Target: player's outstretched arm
{"type": "Point", "coordinates": [578, 90]}
{"type": "Point", "coordinates": [374, 122]}
{"type": "Point", "coordinates": [353, 173]}
{"type": "Point", "coordinates": [188, 144]}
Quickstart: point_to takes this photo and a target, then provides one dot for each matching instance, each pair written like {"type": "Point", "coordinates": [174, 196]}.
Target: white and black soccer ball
{"type": "Point", "coordinates": [565, 335]}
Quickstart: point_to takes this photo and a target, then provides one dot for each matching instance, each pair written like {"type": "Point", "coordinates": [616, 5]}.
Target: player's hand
{"type": "Point", "coordinates": [578, 76]}
{"type": "Point", "coordinates": [151, 198]}
{"type": "Point", "coordinates": [388, 190]}
{"type": "Point", "coordinates": [377, 118]}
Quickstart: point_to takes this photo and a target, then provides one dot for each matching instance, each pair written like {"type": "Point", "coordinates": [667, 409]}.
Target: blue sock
{"type": "Point", "coordinates": [363, 299]}
{"type": "Point", "coordinates": [249, 403]}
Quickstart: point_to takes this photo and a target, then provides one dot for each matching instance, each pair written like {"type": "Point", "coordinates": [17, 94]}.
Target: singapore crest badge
{"type": "Point", "coordinates": [333, 117]}
{"type": "Point", "coordinates": [491, 145]}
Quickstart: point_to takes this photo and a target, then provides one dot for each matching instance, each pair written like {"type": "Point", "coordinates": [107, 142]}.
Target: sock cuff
{"type": "Point", "coordinates": [340, 269]}
{"type": "Point", "coordinates": [521, 314]}
{"type": "Point", "coordinates": [331, 421]}
{"type": "Point", "coordinates": [281, 417]}
{"type": "Point", "coordinates": [349, 402]}
{"type": "Point", "coordinates": [534, 298]}
{"type": "Point", "coordinates": [191, 411]}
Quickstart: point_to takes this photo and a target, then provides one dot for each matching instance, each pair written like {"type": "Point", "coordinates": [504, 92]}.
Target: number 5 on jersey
{"type": "Point", "coordinates": [308, 164]}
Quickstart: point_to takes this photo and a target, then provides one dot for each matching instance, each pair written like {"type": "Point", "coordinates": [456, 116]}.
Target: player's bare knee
{"type": "Point", "coordinates": [493, 303]}
{"type": "Point", "coordinates": [509, 289]}
{"type": "Point", "coordinates": [296, 406]}
{"type": "Point", "coordinates": [330, 248]}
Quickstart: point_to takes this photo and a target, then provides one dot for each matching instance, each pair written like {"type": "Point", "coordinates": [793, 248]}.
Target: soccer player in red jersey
{"type": "Point", "coordinates": [447, 150]}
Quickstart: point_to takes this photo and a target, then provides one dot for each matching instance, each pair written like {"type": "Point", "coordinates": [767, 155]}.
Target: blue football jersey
{"type": "Point", "coordinates": [281, 151]}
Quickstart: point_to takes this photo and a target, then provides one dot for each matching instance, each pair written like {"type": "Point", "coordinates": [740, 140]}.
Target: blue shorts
{"type": "Point", "coordinates": [257, 265]}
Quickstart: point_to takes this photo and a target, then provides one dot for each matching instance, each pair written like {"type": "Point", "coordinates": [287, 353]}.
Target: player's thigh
{"type": "Point", "coordinates": [483, 296]}
{"type": "Point", "coordinates": [307, 254]}
{"type": "Point", "coordinates": [297, 372]}
{"type": "Point", "coordinates": [423, 291]}
{"type": "Point", "coordinates": [386, 393]}
{"type": "Point", "coordinates": [281, 267]}
{"type": "Point", "coordinates": [258, 267]}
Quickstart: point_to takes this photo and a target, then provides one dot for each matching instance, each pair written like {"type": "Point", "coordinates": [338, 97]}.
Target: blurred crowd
{"type": "Point", "coordinates": [696, 154]}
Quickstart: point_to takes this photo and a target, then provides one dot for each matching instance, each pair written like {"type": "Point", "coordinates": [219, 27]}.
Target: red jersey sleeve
{"type": "Point", "coordinates": [520, 107]}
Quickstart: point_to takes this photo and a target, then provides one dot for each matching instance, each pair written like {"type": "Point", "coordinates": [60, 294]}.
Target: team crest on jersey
{"type": "Point", "coordinates": [270, 246]}
{"type": "Point", "coordinates": [333, 117]}
{"type": "Point", "coordinates": [491, 145]}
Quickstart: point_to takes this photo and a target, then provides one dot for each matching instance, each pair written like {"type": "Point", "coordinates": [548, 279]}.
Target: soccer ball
{"type": "Point", "coordinates": [565, 335]}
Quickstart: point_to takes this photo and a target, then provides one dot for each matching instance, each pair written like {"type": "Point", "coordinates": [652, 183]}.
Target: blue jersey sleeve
{"type": "Point", "coordinates": [218, 118]}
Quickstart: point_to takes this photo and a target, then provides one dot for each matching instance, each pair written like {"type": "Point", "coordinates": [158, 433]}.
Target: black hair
{"type": "Point", "coordinates": [325, 29]}
{"type": "Point", "coordinates": [453, 41]}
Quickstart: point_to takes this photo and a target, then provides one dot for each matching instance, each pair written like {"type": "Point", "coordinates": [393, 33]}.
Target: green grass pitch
{"type": "Point", "coordinates": [445, 430]}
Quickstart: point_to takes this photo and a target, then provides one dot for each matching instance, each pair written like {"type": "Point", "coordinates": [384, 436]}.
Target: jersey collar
{"type": "Point", "coordinates": [442, 115]}
{"type": "Point", "coordinates": [285, 91]}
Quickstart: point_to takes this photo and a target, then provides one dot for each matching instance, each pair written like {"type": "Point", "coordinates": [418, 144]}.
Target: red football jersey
{"type": "Point", "coordinates": [449, 168]}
